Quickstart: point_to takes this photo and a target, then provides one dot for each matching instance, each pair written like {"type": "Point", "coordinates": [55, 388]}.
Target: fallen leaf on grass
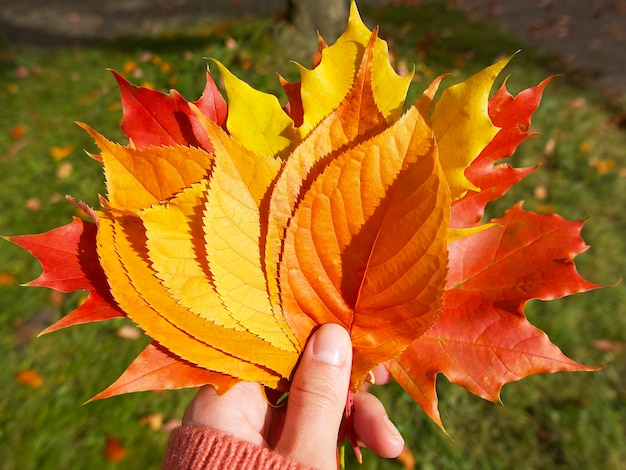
{"type": "Point", "coordinates": [114, 451]}
{"type": "Point", "coordinates": [540, 192]}
{"type": "Point", "coordinates": [58, 153]}
{"type": "Point", "coordinates": [129, 67]}
{"type": "Point", "coordinates": [22, 72]}
{"type": "Point", "coordinates": [33, 204]}
{"type": "Point", "coordinates": [154, 421]}
{"type": "Point", "coordinates": [129, 332]}
{"type": "Point", "coordinates": [18, 132]}
{"type": "Point", "coordinates": [29, 377]}
{"type": "Point", "coordinates": [602, 166]}
{"type": "Point", "coordinates": [6, 279]}
{"type": "Point", "coordinates": [608, 345]}
{"type": "Point", "coordinates": [64, 170]}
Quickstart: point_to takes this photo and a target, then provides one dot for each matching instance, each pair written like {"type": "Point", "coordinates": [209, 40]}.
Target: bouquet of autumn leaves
{"type": "Point", "coordinates": [230, 231]}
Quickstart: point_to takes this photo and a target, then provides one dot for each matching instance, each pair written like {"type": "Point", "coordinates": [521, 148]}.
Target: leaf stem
{"type": "Point", "coordinates": [347, 432]}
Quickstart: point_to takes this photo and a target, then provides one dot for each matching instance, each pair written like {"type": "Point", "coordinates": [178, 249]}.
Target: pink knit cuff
{"type": "Point", "coordinates": [192, 448]}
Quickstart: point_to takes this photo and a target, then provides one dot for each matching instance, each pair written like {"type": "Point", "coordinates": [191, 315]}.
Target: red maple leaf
{"type": "Point", "coordinates": [155, 118]}
{"type": "Point", "coordinates": [70, 263]}
{"type": "Point", "coordinates": [482, 339]}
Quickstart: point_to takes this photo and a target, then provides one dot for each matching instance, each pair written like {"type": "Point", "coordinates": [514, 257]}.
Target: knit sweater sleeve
{"type": "Point", "coordinates": [193, 448]}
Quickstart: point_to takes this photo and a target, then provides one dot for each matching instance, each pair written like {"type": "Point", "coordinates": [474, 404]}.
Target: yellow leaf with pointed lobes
{"type": "Point", "coordinates": [326, 85]}
{"type": "Point", "coordinates": [256, 119]}
{"type": "Point", "coordinates": [232, 226]}
{"type": "Point", "coordinates": [175, 244]}
{"type": "Point", "coordinates": [144, 299]}
{"type": "Point", "coordinates": [462, 126]}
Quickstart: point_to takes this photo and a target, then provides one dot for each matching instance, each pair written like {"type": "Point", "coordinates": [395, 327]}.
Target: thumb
{"type": "Point", "coordinates": [317, 399]}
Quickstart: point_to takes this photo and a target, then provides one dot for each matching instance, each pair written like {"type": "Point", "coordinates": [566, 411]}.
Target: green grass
{"type": "Point", "coordinates": [557, 421]}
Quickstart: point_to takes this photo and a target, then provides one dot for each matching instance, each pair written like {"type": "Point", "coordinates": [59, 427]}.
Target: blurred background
{"type": "Point", "coordinates": [54, 57]}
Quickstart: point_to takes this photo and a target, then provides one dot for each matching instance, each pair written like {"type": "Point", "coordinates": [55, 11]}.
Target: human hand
{"type": "Point", "coordinates": [307, 430]}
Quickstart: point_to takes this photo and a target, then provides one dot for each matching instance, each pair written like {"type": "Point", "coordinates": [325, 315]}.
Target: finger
{"type": "Point", "coordinates": [317, 398]}
{"type": "Point", "coordinates": [239, 412]}
{"type": "Point", "coordinates": [373, 427]}
{"type": "Point", "coordinates": [381, 375]}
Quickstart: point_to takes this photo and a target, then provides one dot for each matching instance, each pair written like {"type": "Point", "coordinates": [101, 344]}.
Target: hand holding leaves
{"type": "Point", "coordinates": [230, 231]}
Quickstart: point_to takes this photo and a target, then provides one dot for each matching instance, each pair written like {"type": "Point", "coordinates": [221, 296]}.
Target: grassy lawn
{"type": "Point", "coordinates": [557, 421]}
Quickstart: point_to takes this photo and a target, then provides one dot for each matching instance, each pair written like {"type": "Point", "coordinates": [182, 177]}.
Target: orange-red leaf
{"type": "Point", "coordinates": [366, 247]}
{"type": "Point", "coordinates": [139, 177]}
{"type": "Point", "coordinates": [154, 118]}
{"type": "Point", "coordinates": [482, 339]}
{"type": "Point", "coordinates": [69, 261]}
{"type": "Point", "coordinates": [158, 369]}
{"type": "Point", "coordinates": [29, 377]}
{"type": "Point", "coordinates": [114, 450]}
{"type": "Point", "coordinates": [526, 256]}
{"type": "Point", "coordinates": [356, 119]}
{"type": "Point", "coordinates": [512, 115]}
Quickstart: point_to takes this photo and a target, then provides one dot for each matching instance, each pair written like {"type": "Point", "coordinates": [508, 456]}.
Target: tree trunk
{"type": "Point", "coordinates": [329, 17]}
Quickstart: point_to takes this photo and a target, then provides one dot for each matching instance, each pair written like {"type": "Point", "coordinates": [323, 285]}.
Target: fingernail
{"type": "Point", "coordinates": [393, 431]}
{"type": "Point", "coordinates": [331, 345]}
